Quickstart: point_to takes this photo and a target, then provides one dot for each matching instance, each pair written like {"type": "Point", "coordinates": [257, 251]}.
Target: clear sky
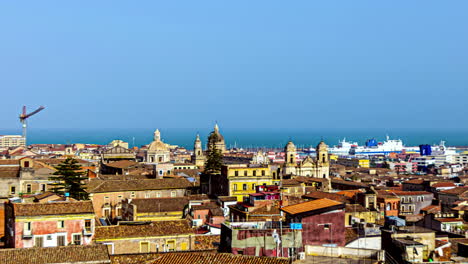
{"type": "Point", "coordinates": [247, 64]}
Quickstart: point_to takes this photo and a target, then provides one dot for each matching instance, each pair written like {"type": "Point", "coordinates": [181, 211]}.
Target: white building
{"type": "Point", "coordinates": [11, 141]}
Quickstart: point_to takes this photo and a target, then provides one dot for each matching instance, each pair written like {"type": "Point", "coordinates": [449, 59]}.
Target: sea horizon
{"type": "Point", "coordinates": [242, 137]}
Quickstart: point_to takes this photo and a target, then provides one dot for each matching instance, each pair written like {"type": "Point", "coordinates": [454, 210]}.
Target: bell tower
{"type": "Point", "coordinates": [290, 162]}
{"type": "Point", "coordinates": [198, 157]}
{"type": "Point", "coordinates": [322, 160]}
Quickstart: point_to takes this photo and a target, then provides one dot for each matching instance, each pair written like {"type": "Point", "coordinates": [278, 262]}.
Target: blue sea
{"type": "Point", "coordinates": [246, 138]}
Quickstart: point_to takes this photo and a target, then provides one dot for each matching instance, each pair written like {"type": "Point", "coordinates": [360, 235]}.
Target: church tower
{"type": "Point", "coordinates": [290, 162]}
{"type": "Point", "coordinates": [322, 160]}
{"type": "Point", "coordinates": [198, 157]}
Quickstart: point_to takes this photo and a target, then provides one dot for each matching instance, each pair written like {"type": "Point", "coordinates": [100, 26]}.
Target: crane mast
{"type": "Point", "coordinates": [24, 117]}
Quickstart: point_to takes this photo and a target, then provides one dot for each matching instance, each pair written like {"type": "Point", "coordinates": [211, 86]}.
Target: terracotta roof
{"type": "Point", "coordinates": [150, 205]}
{"type": "Point", "coordinates": [227, 198]}
{"type": "Point", "coordinates": [183, 258]}
{"type": "Point", "coordinates": [456, 190]}
{"type": "Point", "coordinates": [96, 186]}
{"type": "Point", "coordinates": [415, 181]}
{"type": "Point", "coordinates": [449, 219]}
{"type": "Point", "coordinates": [310, 206]}
{"type": "Point", "coordinates": [154, 229]}
{"type": "Point", "coordinates": [44, 255]}
{"type": "Point", "coordinates": [121, 164]}
{"type": "Point", "coordinates": [9, 172]}
{"type": "Point", "coordinates": [403, 193]}
{"type": "Point", "coordinates": [443, 184]}
{"type": "Point", "coordinates": [461, 208]}
{"type": "Point", "coordinates": [44, 195]}
{"type": "Point", "coordinates": [349, 193]}
{"type": "Point", "coordinates": [204, 242]}
{"type": "Point", "coordinates": [58, 208]}
{"type": "Point", "coordinates": [431, 208]}
{"type": "Point", "coordinates": [319, 195]}
{"type": "Point", "coordinates": [9, 162]}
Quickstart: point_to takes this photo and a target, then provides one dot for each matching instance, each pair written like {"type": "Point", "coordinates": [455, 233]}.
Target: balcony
{"type": "Point", "coordinates": [27, 234]}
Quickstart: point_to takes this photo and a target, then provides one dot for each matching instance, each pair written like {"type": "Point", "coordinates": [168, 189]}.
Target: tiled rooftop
{"type": "Point", "coordinates": [99, 186]}
{"type": "Point", "coordinates": [154, 229]}
{"type": "Point", "coordinates": [58, 208]}
{"type": "Point", "coordinates": [310, 206]}
{"type": "Point", "coordinates": [95, 254]}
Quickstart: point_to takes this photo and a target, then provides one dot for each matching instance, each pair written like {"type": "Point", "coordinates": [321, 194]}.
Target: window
{"type": "Point", "coordinates": [236, 173]}
{"type": "Point", "coordinates": [324, 159]}
{"type": "Point", "coordinates": [389, 207]}
{"type": "Point", "coordinates": [120, 197]}
{"type": "Point", "coordinates": [107, 212]}
{"type": "Point", "coordinates": [38, 241]}
{"type": "Point", "coordinates": [170, 245]}
{"type": "Point", "coordinates": [234, 187]}
{"type": "Point", "coordinates": [118, 211]}
{"type": "Point", "coordinates": [43, 187]}
{"type": "Point", "coordinates": [76, 239]}
{"type": "Point", "coordinates": [26, 164]}
{"type": "Point", "coordinates": [160, 159]}
{"type": "Point", "coordinates": [254, 173]}
{"type": "Point", "coordinates": [264, 184]}
{"type": "Point", "coordinates": [88, 225]}
{"type": "Point", "coordinates": [326, 226]}
{"type": "Point", "coordinates": [253, 186]}
{"type": "Point", "coordinates": [263, 173]}
{"type": "Point", "coordinates": [245, 173]}
{"type": "Point", "coordinates": [27, 227]}
{"type": "Point", "coordinates": [132, 195]}
{"type": "Point", "coordinates": [144, 247]}
{"type": "Point", "coordinates": [106, 199]}
{"type": "Point", "coordinates": [244, 187]}
{"type": "Point", "coordinates": [12, 189]}
{"type": "Point", "coordinates": [291, 158]}
{"type": "Point", "coordinates": [61, 224]}
{"type": "Point", "coordinates": [173, 194]}
{"type": "Point", "coordinates": [158, 194]}
{"type": "Point", "coordinates": [28, 188]}
{"type": "Point", "coordinates": [61, 241]}
{"type": "Point", "coordinates": [147, 195]}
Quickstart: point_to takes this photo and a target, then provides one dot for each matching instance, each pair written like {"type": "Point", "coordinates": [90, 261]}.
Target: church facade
{"type": "Point", "coordinates": [318, 167]}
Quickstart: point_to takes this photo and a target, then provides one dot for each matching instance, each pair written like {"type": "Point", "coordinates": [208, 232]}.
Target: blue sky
{"type": "Point", "coordinates": [246, 64]}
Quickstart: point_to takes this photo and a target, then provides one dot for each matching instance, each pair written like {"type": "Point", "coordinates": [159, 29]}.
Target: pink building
{"type": "Point", "coordinates": [48, 224]}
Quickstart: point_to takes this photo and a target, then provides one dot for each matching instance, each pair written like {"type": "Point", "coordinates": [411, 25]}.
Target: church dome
{"type": "Point", "coordinates": [219, 137]}
{"type": "Point", "coordinates": [157, 146]}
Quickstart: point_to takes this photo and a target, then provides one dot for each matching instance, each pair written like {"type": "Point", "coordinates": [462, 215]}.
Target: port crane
{"type": "Point", "coordinates": [23, 119]}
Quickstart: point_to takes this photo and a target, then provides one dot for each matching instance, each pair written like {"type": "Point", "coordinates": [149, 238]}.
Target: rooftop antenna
{"type": "Point", "coordinates": [23, 119]}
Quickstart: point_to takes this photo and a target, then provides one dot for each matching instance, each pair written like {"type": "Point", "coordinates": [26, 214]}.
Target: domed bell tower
{"type": "Point", "coordinates": [198, 157]}
{"type": "Point", "coordinates": [290, 162]}
{"type": "Point", "coordinates": [322, 160]}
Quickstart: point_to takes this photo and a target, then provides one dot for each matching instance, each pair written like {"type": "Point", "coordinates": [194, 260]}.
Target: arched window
{"type": "Point", "coordinates": [291, 158]}
{"type": "Point", "coordinates": [324, 158]}
{"type": "Point", "coordinates": [199, 153]}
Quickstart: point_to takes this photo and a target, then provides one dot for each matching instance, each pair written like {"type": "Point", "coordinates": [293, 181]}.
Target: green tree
{"type": "Point", "coordinates": [214, 161]}
{"type": "Point", "coordinates": [69, 178]}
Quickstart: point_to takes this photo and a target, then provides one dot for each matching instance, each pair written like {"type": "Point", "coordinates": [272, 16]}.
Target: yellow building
{"type": "Point", "coordinates": [154, 209]}
{"type": "Point", "coordinates": [242, 179]}
{"type": "Point", "coordinates": [354, 162]}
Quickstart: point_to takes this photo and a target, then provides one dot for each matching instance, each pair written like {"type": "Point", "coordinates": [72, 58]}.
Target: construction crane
{"type": "Point", "coordinates": [23, 118]}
